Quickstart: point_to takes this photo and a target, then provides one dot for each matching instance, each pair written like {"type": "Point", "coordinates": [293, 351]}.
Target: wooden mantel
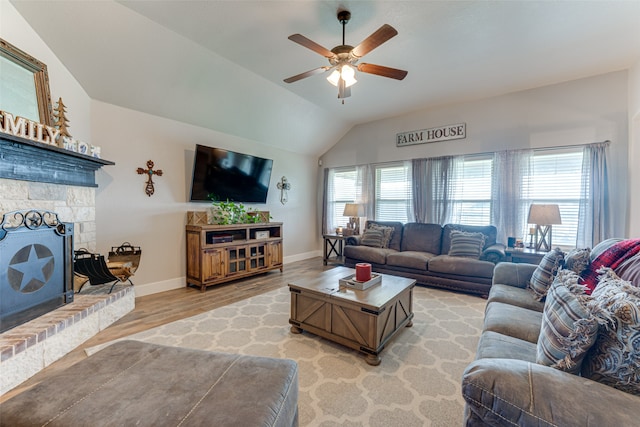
{"type": "Point", "coordinates": [27, 160]}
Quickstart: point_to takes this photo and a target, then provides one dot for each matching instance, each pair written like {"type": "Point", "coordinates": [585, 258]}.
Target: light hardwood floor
{"type": "Point", "coordinates": [159, 309]}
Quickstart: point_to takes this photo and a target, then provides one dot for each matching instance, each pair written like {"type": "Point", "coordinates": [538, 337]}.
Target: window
{"type": "Point", "coordinates": [556, 178]}
{"type": "Point", "coordinates": [393, 193]}
{"type": "Point", "coordinates": [551, 176]}
{"type": "Point", "coordinates": [471, 199]}
{"type": "Point", "coordinates": [342, 189]}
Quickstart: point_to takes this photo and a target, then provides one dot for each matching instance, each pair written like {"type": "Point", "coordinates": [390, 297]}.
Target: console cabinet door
{"type": "Point", "coordinates": [213, 261]}
{"type": "Point", "coordinates": [275, 253]}
{"type": "Point", "coordinates": [257, 257]}
{"type": "Point", "coordinates": [212, 264]}
{"type": "Point", "coordinates": [237, 260]}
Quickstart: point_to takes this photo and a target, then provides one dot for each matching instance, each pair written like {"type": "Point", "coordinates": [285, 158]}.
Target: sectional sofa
{"type": "Point", "coordinates": [424, 252]}
{"type": "Point", "coordinates": [570, 359]}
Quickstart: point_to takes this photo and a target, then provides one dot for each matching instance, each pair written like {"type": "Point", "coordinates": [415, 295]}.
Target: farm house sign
{"type": "Point", "coordinates": [424, 136]}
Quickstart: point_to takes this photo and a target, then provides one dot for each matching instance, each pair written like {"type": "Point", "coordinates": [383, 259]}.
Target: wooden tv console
{"type": "Point", "coordinates": [221, 253]}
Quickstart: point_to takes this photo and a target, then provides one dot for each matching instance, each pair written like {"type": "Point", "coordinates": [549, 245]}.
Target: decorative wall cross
{"type": "Point", "coordinates": [149, 189]}
{"type": "Point", "coordinates": [284, 187]}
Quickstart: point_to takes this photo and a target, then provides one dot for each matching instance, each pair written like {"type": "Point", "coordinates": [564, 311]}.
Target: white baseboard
{"type": "Point", "coordinates": [155, 287]}
{"type": "Point", "coordinates": [180, 282]}
{"type": "Point", "coordinates": [300, 257]}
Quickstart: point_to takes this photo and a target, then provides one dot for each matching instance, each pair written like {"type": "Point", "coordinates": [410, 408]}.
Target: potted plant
{"type": "Point", "coordinates": [230, 212]}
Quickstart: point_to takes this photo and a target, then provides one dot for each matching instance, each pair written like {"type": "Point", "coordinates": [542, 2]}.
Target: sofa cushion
{"type": "Point", "coordinates": [422, 237]}
{"type": "Point", "coordinates": [568, 328]}
{"type": "Point", "coordinates": [614, 359]}
{"type": "Point", "coordinates": [465, 244]}
{"type": "Point", "coordinates": [513, 295]}
{"type": "Point", "coordinates": [494, 345]}
{"type": "Point", "coordinates": [409, 259]}
{"type": "Point", "coordinates": [577, 260]}
{"type": "Point", "coordinates": [396, 237]}
{"type": "Point", "coordinates": [461, 266]}
{"type": "Point", "coordinates": [387, 233]}
{"type": "Point", "coordinates": [367, 254]}
{"type": "Point", "coordinates": [513, 321]}
{"type": "Point", "coordinates": [372, 237]}
{"type": "Point", "coordinates": [543, 276]}
{"type": "Point", "coordinates": [490, 232]}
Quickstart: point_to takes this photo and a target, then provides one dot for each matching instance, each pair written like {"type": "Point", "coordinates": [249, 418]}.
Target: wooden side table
{"type": "Point", "coordinates": [333, 245]}
{"type": "Point", "coordinates": [524, 255]}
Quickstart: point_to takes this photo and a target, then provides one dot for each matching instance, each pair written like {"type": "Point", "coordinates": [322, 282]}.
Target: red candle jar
{"type": "Point", "coordinates": [363, 272]}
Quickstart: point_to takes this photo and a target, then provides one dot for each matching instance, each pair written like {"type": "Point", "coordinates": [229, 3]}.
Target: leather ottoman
{"type": "Point", "coordinates": [131, 383]}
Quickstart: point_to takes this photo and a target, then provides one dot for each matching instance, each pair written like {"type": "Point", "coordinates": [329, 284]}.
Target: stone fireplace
{"type": "Point", "coordinates": [40, 178]}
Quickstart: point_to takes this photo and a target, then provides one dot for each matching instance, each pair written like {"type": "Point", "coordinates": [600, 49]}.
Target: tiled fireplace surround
{"type": "Point", "coordinates": [28, 348]}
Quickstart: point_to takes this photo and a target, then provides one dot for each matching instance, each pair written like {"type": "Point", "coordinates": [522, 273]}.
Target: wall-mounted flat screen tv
{"type": "Point", "coordinates": [227, 175]}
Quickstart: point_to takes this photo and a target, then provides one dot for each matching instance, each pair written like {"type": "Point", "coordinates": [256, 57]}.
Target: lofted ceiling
{"type": "Point", "coordinates": [221, 64]}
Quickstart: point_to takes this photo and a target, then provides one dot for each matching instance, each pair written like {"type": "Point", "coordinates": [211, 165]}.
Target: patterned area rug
{"type": "Point", "coordinates": [417, 383]}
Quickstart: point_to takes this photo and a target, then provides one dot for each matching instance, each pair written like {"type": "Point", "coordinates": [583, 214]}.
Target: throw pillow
{"type": "Point", "coordinates": [568, 327]}
{"type": "Point", "coordinates": [612, 257]}
{"type": "Point", "coordinates": [543, 276]}
{"type": "Point", "coordinates": [613, 360]}
{"type": "Point", "coordinates": [387, 233]}
{"type": "Point", "coordinates": [577, 260]}
{"type": "Point", "coordinates": [630, 270]}
{"type": "Point", "coordinates": [465, 244]}
{"type": "Point", "coordinates": [372, 237]}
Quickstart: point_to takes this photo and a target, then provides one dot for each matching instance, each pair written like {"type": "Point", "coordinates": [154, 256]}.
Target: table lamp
{"type": "Point", "coordinates": [544, 216]}
{"type": "Point", "coordinates": [354, 211]}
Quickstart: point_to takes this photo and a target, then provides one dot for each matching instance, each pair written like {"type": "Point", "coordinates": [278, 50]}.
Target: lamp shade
{"type": "Point", "coordinates": [353, 210]}
{"type": "Point", "coordinates": [544, 214]}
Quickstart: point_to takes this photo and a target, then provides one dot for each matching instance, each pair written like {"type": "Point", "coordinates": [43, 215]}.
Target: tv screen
{"type": "Point", "coordinates": [227, 175]}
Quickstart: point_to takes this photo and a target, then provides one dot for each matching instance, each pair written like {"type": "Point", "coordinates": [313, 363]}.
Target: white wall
{"type": "Point", "coordinates": [125, 213]}
{"type": "Point", "coordinates": [129, 138]}
{"type": "Point", "coordinates": [576, 112]}
{"type": "Point", "coordinates": [15, 30]}
{"type": "Point", "coordinates": [634, 151]}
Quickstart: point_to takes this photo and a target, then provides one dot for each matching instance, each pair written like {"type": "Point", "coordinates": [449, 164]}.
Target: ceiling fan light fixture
{"type": "Point", "coordinates": [348, 74]}
{"type": "Point", "coordinates": [334, 77]}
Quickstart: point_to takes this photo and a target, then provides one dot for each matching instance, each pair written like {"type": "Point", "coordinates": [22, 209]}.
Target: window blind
{"type": "Point", "coordinates": [342, 190]}
{"type": "Point", "coordinates": [471, 200]}
{"type": "Point", "coordinates": [556, 178]}
{"type": "Point", "coordinates": [392, 193]}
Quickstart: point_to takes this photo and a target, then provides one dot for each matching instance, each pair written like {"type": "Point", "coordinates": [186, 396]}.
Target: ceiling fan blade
{"type": "Point", "coordinates": [381, 35]}
{"type": "Point", "coordinates": [309, 44]}
{"type": "Point", "coordinates": [306, 74]}
{"type": "Point", "coordinates": [380, 70]}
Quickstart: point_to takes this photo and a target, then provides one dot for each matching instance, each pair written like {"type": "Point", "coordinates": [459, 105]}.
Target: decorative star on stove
{"type": "Point", "coordinates": [33, 220]}
{"type": "Point", "coordinates": [35, 271]}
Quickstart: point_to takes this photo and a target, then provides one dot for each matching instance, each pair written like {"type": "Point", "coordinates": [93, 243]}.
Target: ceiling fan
{"type": "Point", "coordinates": [343, 58]}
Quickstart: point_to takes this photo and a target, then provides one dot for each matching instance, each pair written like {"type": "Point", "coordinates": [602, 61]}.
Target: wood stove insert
{"type": "Point", "coordinates": [36, 265]}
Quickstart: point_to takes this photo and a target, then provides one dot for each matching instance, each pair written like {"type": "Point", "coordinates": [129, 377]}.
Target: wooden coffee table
{"type": "Point", "coordinates": [361, 320]}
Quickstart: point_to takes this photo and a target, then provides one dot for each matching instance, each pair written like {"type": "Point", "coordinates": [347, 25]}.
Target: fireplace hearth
{"type": "Point", "coordinates": [36, 265]}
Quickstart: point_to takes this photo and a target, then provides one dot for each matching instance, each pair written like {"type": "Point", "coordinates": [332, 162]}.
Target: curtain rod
{"type": "Point", "coordinates": [558, 147]}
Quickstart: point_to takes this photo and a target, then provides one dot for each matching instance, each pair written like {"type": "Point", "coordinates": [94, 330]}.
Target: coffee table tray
{"type": "Point", "coordinates": [351, 282]}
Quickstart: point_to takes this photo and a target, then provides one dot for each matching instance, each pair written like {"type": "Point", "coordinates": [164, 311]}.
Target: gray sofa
{"type": "Point", "coordinates": [505, 386]}
{"type": "Point", "coordinates": [421, 252]}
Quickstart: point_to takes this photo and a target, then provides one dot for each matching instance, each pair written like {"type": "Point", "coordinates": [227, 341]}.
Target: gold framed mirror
{"type": "Point", "coordinates": [24, 85]}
